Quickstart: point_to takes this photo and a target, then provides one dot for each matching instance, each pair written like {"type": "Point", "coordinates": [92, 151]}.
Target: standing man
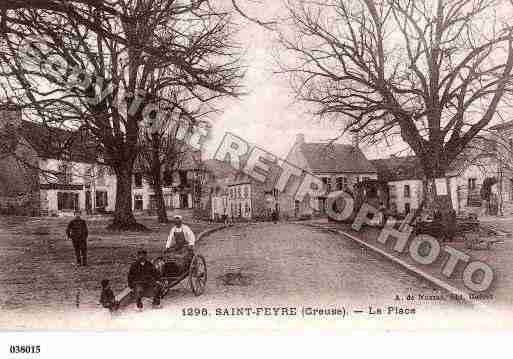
{"type": "Point", "coordinates": [77, 232]}
{"type": "Point", "coordinates": [143, 280]}
{"type": "Point", "coordinates": [180, 245]}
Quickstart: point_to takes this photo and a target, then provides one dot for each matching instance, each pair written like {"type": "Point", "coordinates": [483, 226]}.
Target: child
{"type": "Point", "coordinates": [107, 299]}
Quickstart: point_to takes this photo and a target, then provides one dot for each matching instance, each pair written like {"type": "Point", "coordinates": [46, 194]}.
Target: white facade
{"type": "Point", "coordinates": [67, 186]}
{"type": "Point", "coordinates": [239, 201]}
{"type": "Point", "coordinates": [143, 195]}
{"type": "Point", "coordinates": [405, 195]}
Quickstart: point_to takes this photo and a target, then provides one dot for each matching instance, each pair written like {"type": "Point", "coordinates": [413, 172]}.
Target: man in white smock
{"type": "Point", "coordinates": [179, 247]}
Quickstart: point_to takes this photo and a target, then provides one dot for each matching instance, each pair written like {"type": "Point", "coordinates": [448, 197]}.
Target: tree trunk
{"type": "Point", "coordinates": [434, 201]}
{"type": "Point", "coordinates": [159, 195]}
{"type": "Point", "coordinates": [156, 172]}
{"type": "Point", "coordinates": [433, 168]}
{"type": "Point", "coordinates": [124, 219]}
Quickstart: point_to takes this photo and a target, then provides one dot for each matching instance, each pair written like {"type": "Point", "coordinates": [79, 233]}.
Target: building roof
{"type": "Point", "coordinates": [219, 169]}
{"type": "Point", "coordinates": [57, 143]}
{"type": "Point", "coordinates": [502, 126]}
{"type": "Point", "coordinates": [323, 157]}
{"type": "Point", "coordinates": [398, 168]}
{"type": "Point", "coordinates": [409, 167]}
{"type": "Point", "coordinates": [191, 159]}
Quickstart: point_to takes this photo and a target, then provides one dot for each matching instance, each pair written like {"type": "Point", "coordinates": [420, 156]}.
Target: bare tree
{"type": "Point", "coordinates": [113, 83]}
{"type": "Point", "coordinates": [433, 73]}
{"type": "Point", "coordinates": [166, 143]}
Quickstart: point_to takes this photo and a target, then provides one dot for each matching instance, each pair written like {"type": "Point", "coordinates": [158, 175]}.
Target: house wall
{"type": "Point", "coordinates": [296, 157]}
{"type": "Point", "coordinates": [19, 182]}
{"type": "Point", "coordinates": [397, 194]}
{"type": "Point", "coordinates": [91, 178]}
{"type": "Point", "coordinates": [460, 190]}
{"type": "Point", "coordinates": [498, 164]}
{"type": "Point", "coordinates": [311, 205]}
{"type": "Point", "coordinates": [172, 196]}
{"type": "Point", "coordinates": [242, 200]}
{"type": "Point", "coordinates": [348, 178]}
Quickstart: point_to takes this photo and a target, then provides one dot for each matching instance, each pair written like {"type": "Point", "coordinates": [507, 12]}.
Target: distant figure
{"type": "Point", "coordinates": [274, 216]}
{"type": "Point", "coordinates": [382, 213]}
{"type": "Point", "coordinates": [77, 232]}
{"type": "Point", "coordinates": [107, 298]}
{"type": "Point", "coordinates": [143, 280]}
{"type": "Point", "coordinates": [449, 225]}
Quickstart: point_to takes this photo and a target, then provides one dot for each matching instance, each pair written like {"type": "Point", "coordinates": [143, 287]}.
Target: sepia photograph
{"type": "Point", "coordinates": [245, 166]}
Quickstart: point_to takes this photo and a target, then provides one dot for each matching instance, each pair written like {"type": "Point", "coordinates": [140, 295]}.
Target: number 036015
{"type": "Point", "coordinates": [25, 349]}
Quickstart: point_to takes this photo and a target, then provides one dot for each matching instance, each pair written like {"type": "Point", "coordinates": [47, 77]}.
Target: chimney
{"type": "Point", "coordinates": [10, 114]}
{"type": "Point", "coordinates": [300, 138]}
{"type": "Point", "coordinates": [355, 139]}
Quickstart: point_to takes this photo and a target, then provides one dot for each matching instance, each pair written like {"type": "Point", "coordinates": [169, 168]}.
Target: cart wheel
{"type": "Point", "coordinates": [159, 265]}
{"type": "Point", "coordinates": [198, 274]}
{"type": "Point", "coordinates": [164, 286]}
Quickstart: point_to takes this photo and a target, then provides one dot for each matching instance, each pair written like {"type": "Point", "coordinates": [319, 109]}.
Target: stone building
{"type": "Point", "coordinates": [177, 185]}
{"type": "Point", "coordinates": [338, 166]}
{"type": "Point", "coordinates": [489, 157]}
{"type": "Point", "coordinates": [55, 171]}
{"type": "Point", "coordinates": [57, 167]}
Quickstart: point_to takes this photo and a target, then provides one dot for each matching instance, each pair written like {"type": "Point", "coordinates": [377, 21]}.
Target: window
{"type": "Point", "coordinates": [67, 201]}
{"type": "Point", "coordinates": [472, 184]}
{"type": "Point", "coordinates": [88, 176]}
{"type": "Point", "coordinates": [100, 176]}
{"type": "Point", "coordinates": [101, 199]}
{"type": "Point", "coordinates": [327, 183]}
{"type": "Point", "coordinates": [153, 201]}
{"type": "Point", "coordinates": [391, 191]}
{"type": "Point", "coordinates": [406, 208]}
{"type": "Point", "coordinates": [183, 178]}
{"type": "Point", "coordinates": [246, 192]}
{"type": "Point", "coordinates": [168, 200]}
{"type": "Point", "coordinates": [138, 202]}
{"type": "Point", "coordinates": [247, 210]}
{"type": "Point", "coordinates": [239, 194]}
{"type": "Point", "coordinates": [64, 176]}
{"type": "Point", "coordinates": [322, 205]}
{"type": "Point", "coordinates": [341, 183]}
{"type": "Point", "coordinates": [406, 191]}
{"type": "Point", "coordinates": [167, 178]}
{"type": "Point", "coordinates": [138, 180]}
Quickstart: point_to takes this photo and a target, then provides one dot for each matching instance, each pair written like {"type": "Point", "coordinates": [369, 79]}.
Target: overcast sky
{"type": "Point", "coordinates": [268, 115]}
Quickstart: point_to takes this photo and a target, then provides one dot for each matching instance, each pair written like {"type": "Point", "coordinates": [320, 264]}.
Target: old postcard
{"type": "Point", "coordinates": [232, 165]}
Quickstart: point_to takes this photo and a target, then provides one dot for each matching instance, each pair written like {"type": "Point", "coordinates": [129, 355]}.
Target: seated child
{"type": "Point", "coordinates": [107, 299]}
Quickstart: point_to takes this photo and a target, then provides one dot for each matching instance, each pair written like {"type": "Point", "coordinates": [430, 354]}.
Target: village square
{"type": "Point", "coordinates": [156, 158]}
